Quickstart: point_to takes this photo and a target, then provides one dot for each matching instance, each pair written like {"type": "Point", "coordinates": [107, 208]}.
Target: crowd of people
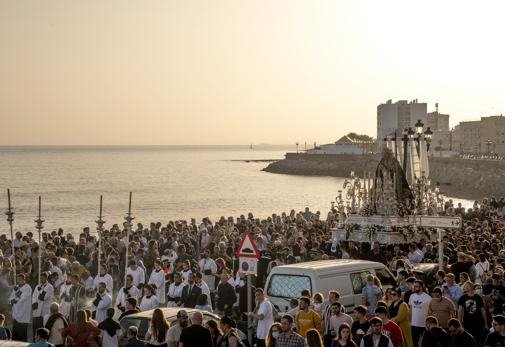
{"type": "Point", "coordinates": [79, 300]}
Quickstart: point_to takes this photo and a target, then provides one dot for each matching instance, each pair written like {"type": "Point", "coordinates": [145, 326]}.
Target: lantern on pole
{"type": "Point", "coordinates": [99, 228]}
{"type": "Point", "coordinates": [39, 221]}
{"type": "Point", "coordinates": [10, 218]}
{"type": "Point", "coordinates": [128, 225]}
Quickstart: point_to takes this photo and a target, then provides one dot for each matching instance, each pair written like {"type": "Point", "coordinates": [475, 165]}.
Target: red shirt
{"type": "Point", "coordinates": [80, 337]}
{"type": "Point", "coordinates": [393, 331]}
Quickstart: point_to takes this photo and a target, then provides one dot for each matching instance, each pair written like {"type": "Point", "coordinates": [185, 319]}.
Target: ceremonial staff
{"type": "Point", "coordinates": [128, 219]}
{"type": "Point", "coordinates": [39, 228]}
{"type": "Point", "coordinates": [10, 219]}
{"type": "Point", "coordinates": [99, 228]}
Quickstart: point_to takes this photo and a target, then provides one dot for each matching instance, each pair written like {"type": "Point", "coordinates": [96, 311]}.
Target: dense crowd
{"type": "Point", "coordinates": [192, 265]}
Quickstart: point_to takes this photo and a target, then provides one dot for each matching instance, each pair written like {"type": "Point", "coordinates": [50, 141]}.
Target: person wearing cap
{"type": "Point", "coordinates": [399, 313]}
{"type": "Point", "coordinates": [102, 302]}
{"type": "Point", "coordinates": [174, 333]}
{"type": "Point", "coordinates": [441, 308]}
{"type": "Point", "coordinates": [42, 298]}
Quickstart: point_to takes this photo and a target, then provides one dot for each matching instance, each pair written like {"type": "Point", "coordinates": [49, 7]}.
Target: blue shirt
{"type": "Point", "coordinates": [41, 344]}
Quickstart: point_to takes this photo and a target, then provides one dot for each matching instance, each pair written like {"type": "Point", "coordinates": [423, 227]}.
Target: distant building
{"type": "Point", "coordinates": [347, 144]}
{"type": "Point", "coordinates": [438, 121]}
{"type": "Point", "coordinates": [395, 117]}
{"type": "Point", "coordinates": [484, 136]}
{"type": "Point", "coordinates": [439, 124]}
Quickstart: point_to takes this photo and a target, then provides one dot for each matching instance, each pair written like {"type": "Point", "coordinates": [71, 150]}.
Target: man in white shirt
{"type": "Point", "coordinates": [102, 302]}
{"type": "Point", "coordinates": [21, 302]}
{"type": "Point", "coordinates": [419, 303]}
{"type": "Point", "coordinates": [104, 277]}
{"type": "Point", "coordinates": [157, 280]}
{"type": "Point", "coordinates": [205, 288]}
{"type": "Point", "coordinates": [175, 291]}
{"type": "Point", "coordinates": [264, 315]}
{"type": "Point", "coordinates": [208, 268]}
{"type": "Point", "coordinates": [415, 255]}
{"type": "Point", "coordinates": [137, 273]}
{"type": "Point", "coordinates": [128, 291]}
{"type": "Point", "coordinates": [42, 299]}
{"type": "Point", "coordinates": [149, 300]}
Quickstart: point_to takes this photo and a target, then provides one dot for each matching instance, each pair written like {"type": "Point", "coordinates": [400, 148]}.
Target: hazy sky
{"type": "Point", "coordinates": [239, 71]}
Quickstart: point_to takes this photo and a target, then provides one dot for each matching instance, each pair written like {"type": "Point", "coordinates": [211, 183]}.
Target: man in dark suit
{"type": "Point", "coordinates": [226, 296]}
{"type": "Point", "coordinates": [191, 292]}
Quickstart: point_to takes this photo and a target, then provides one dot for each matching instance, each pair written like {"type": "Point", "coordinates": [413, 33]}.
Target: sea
{"type": "Point", "coordinates": [167, 183]}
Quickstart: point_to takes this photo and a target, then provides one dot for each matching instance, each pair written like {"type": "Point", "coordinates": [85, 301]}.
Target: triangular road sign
{"type": "Point", "coordinates": [247, 247]}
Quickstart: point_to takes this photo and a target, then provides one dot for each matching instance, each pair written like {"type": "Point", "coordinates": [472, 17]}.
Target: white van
{"type": "Point", "coordinates": [346, 276]}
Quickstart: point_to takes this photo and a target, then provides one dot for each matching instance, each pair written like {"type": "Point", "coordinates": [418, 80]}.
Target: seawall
{"type": "Point", "coordinates": [459, 178]}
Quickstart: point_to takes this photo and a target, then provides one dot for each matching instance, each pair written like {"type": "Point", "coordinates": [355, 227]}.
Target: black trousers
{"type": "Point", "coordinates": [416, 334]}
{"type": "Point", "coordinates": [19, 331]}
{"type": "Point", "coordinates": [38, 322]}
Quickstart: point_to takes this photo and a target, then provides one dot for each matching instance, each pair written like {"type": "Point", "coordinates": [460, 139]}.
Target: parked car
{"type": "Point", "coordinates": [9, 343]}
{"type": "Point", "coordinates": [345, 275]}
{"type": "Point", "coordinates": [142, 319]}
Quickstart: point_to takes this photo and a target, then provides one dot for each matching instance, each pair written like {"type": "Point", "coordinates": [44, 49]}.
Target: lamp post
{"type": "Point", "coordinates": [297, 144]}
{"type": "Point", "coordinates": [39, 228]}
{"type": "Point", "coordinates": [128, 220]}
{"type": "Point", "coordinates": [99, 228]}
{"type": "Point", "coordinates": [10, 218]}
{"type": "Point", "coordinates": [427, 137]}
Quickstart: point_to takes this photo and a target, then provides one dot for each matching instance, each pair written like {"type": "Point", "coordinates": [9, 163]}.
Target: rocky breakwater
{"type": "Point", "coordinates": [460, 178]}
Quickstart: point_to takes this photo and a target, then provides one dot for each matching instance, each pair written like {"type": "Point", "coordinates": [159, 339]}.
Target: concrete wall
{"type": "Point", "coordinates": [460, 178]}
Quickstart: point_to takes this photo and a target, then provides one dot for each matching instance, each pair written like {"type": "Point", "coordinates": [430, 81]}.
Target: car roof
{"type": "Point", "coordinates": [167, 312]}
{"type": "Point", "coordinates": [8, 343]}
{"type": "Point", "coordinates": [348, 264]}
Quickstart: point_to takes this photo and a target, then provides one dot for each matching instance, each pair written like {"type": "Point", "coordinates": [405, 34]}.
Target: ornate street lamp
{"type": "Point", "coordinates": [419, 127]}
{"type": "Point", "coordinates": [410, 133]}
{"type": "Point", "coordinates": [428, 134]}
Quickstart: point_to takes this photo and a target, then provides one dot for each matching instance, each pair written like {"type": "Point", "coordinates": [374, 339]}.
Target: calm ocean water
{"type": "Point", "coordinates": [168, 182]}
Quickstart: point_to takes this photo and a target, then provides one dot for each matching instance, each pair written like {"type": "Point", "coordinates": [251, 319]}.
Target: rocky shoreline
{"type": "Point", "coordinates": [459, 178]}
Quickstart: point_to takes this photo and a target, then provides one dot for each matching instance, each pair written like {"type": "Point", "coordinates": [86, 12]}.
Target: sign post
{"type": "Point", "coordinates": [248, 260]}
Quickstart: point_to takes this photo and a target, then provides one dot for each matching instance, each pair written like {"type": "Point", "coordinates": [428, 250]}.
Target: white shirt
{"type": "Point", "coordinates": [149, 303]}
{"type": "Point", "coordinates": [55, 333]}
{"type": "Point", "coordinates": [415, 257]}
{"type": "Point", "coordinates": [42, 305]}
{"type": "Point", "coordinates": [265, 309]}
{"type": "Point", "coordinates": [208, 264]}
{"type": "Point", "coordinates": [107, 279]}
{"type": "Point", "coordinates": [138, 275]}
{"type": "Point", "coordinates": [174, 291]}
{"type": "Point", "coordinates": [205, 290]}
{"type": "Point", "coordinates": [133, 292]}
{"type": "Point", "coordinates": [419, 307]}
{"type": "Point", "coordinates": [65, 305]}
{"type": "Point", "coordinates": [158, 279]}
{"type": "Point", "coordinates": [111, 341]}
{"type": "Point", "coordinates": [101, 309]}
{"type": "Point", "coordinates": [22, 309]}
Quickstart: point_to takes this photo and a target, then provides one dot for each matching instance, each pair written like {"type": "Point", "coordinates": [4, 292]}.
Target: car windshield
{"type": "Point", "coordinates": [288, 286]}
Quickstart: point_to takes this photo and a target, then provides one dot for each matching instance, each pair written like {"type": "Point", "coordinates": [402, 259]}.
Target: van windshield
{"type": "Point", "coordinates": [288, 286]}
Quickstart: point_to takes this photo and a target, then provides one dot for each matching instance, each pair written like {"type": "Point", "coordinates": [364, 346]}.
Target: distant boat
{"type": "Point", "coordinates": [251, 146]}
